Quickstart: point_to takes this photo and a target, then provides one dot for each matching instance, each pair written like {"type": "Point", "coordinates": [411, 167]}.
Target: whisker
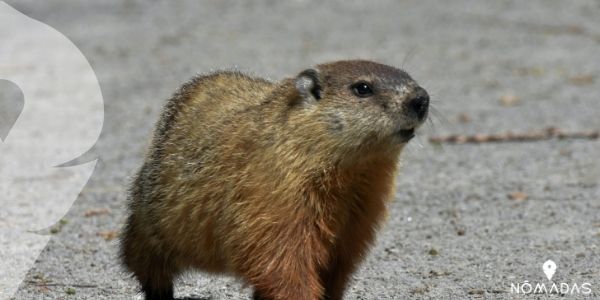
{"type": "Point", "coordinates": [431, 125]}
{"type": "Point", "coordinates": [409, 55]}
{"type": "Point", "coordinates": [440, 116]}
{"type": "Point", "coordinates": [419, 142]}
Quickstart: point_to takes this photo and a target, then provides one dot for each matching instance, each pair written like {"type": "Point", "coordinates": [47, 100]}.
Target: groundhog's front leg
{"type": "Point", "coordinates": [294, 284]}
{"type": "Point", "coordinates": [286, 266]}
{"type": "Point", "coordinates": [351, 248]}
{"type": "Point", "coordinates": [336, 277]}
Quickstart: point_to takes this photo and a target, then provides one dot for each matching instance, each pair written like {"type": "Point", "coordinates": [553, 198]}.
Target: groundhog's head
{"type": "Point", "coordinates": [362, 102]}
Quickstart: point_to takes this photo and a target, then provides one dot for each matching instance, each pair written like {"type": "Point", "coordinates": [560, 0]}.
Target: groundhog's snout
{"type": "Point", "coordinates": [417, 105]}
{"type": "Point", "coordinates": [414, 107]}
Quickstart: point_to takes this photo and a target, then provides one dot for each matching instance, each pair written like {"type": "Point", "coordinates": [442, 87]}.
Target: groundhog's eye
{"type": "Point", "coordinates": [362, 89]}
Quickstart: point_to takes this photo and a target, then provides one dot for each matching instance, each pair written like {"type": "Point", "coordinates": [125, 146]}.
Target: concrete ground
{"type": "Point", "coordinates": [453, 232]}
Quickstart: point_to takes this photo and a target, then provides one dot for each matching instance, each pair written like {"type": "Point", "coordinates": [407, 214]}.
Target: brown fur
{"type": "Point", "coordinates": [267, 181]}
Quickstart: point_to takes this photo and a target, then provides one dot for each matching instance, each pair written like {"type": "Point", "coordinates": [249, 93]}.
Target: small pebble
{"type": "Point", "coordinates": [518, 196]}
{"type": "Point", "coordinates": [509, 100]}
{"type": "Point", "coordinates": [433, 252]}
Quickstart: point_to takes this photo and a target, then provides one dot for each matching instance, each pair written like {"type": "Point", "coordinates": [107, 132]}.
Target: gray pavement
{"type": "Point", "coordinates": [452, 232]}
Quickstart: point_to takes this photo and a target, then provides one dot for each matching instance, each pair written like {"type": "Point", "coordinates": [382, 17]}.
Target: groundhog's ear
{"type": "Point", "coordinates": [308, 85]}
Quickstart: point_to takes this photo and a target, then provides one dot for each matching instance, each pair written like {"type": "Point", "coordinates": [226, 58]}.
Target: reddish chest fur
{"type": "Point", "coordinates": [312, 231]}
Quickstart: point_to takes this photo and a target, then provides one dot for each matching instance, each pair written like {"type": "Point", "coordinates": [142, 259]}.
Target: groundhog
{"type": "Point", "coordinates": [281, 184]}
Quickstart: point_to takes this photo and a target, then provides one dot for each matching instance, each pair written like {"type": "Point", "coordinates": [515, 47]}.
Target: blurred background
{"type": "Point", "coordinates": [468, 220]}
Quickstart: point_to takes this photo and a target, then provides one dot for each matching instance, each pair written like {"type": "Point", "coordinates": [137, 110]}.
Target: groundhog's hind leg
{"type": "Point", "coordinates": [149, 266]}
{"type": "Point", "coordinates": [151, 293]}
{"type": "Point", "coordinates": [258, 296]}
{"type": "Point", "coordinates": [163, 293]}
{"type": "Point", "coordinates": [155, 276]}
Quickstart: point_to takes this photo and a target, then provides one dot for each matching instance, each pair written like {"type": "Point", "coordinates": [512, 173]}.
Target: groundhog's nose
{"type": "Point", "coordinates": [418, 104]}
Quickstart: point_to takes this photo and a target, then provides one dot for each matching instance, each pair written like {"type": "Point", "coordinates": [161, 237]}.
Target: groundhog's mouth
{"type": "Point", "coordinates": [405, 135]}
